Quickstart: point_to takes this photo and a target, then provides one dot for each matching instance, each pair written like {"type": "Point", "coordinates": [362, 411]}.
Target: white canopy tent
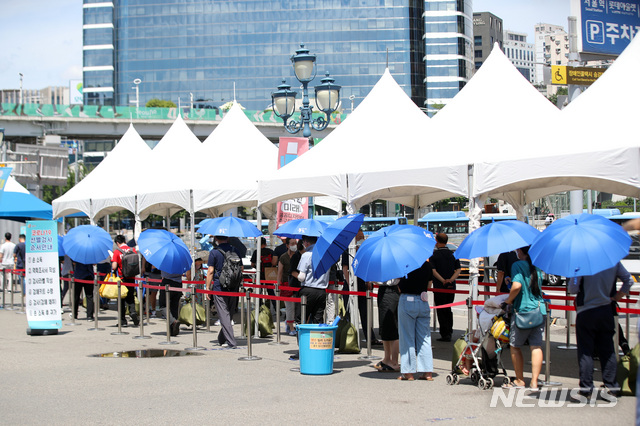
{"type": "Point", "coordinates": [104, 191]}
{"type": "Point", "coordinates": [594, 145]}
{"type": "Point", "coordinates": [360, 144]}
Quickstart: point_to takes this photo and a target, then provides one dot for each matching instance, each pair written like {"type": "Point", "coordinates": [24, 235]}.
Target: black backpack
{"type": "Point", "coordinates": [130, 263]}
{"type": "Point", "coordinates": [231, 273]}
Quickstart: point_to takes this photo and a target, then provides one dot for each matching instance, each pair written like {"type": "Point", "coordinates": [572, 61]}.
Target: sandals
{"type": "Point", "coordinates": [403, 377]}
{"type": "Point", "coordinates": [384, 368]}
{"type": "Point", "coordinates": [427, 378]}
{"type": "Point", "coordinates": [512, 385]}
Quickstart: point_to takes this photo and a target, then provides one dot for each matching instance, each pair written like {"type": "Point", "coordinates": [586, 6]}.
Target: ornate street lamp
{"type": "Point", "coordinates": [327, 96]}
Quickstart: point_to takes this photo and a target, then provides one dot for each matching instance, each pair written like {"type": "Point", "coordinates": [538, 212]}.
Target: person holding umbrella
{"type": "Point", "coordinates": [312, 287]}
{"type": "Point", "coordinates": [525, 296]}
{"type": "Point", "coordinates": [595, 326]}
{"type": "Point", "coordinates": [116, 266]}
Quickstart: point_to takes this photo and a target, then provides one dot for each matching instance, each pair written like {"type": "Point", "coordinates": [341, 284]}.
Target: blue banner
{"type": "Point", "coordinates": [608, 26]}
{"type": "Point", "coordinates": [42, 278]}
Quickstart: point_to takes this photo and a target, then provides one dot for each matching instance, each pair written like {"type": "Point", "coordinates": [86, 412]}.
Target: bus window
{"type": "Point", "coordinates": [373, 224]}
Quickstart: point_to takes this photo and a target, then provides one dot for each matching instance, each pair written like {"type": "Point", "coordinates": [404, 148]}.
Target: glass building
{"type": "Point", "coordinates": [198, 49]}
{"type": "Point", "coordinates": [448, 27]}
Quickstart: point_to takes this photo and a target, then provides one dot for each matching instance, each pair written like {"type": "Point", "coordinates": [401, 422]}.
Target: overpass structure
{"type": "Point", "coordinates": [29, 123]}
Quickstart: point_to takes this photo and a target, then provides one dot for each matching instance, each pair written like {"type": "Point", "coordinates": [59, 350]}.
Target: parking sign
{"type": "Point", "coordinates": [606, 27]}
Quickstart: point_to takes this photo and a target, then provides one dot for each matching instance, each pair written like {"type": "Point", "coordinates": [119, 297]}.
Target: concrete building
{"type": "Point", "coordinates": [487, 30]}
{"type": "Point", "coordinates": [541, 31]}
{"type": "Point", "coordinates": [520, 53]}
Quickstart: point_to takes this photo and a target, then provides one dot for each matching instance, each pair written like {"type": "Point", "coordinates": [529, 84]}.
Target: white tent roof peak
{"type": "Point", "coordinates": [13, 185]}
{"type": "Point", "coordinates": [179, 136]}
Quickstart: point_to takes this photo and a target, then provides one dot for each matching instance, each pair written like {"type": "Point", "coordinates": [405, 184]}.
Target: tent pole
{"type": "Point", "coordinates": [474, 223]}
{"type": "Point", "coordinates": [192, 238]}
{"type": "Point", "coordinates": [258, 267]}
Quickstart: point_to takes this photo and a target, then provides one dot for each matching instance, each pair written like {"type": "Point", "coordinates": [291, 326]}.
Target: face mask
{"type": "Point", "coordinates": [293, 248]}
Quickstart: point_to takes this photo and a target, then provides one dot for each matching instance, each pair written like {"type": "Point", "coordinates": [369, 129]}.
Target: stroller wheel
{"type": "Point", "coordinates": [474, 377]}
{"type": "Point", "coordinates": [489, 383]}
{"type": "Point", "coordinates": [456, 379]}
{"type": "Point", "coordinates": [482, 383]}
{"type": "Point", "coordinates": [450, 379]}
{"type": "Point", "coordinates": [506, 381]}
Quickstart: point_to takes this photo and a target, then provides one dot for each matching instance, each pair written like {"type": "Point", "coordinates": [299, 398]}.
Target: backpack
{"type": "Point", "coordinates": [130, 263]}
{"type": "Point", "coordinates": [231, 273]}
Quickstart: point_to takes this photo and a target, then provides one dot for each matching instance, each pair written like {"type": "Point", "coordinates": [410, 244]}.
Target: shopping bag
{"type": "Point", "coordinates": [627, 372]}
{"type": "Point", "coordinates": [347, 338]}
{"type": "Point", "coordinates": [186, 314]}
{"type": "Point", "coordinates": [110, 291]}
{"type": "Point", "coordinates": [265, 323]}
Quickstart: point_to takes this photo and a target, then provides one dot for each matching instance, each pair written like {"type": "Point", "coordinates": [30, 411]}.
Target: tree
{"type": "Point", "coordinates": [554, 98]}
{"type": "Point", "coordinates": [159, 103]}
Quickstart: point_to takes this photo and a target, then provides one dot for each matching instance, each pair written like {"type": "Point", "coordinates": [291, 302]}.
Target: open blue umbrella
{"type": "Point", "coordinates": [495, 238]}
{"type": "Point", "coordinates": [87, 244]}
{"type": "Point", "coordinates": [298, 227]}
{"type": "Point", "coordinates": [165, 251]}
{"type": "Point", "coordinates": [229, 226]}
{"type": "Point", "coordinates": [578, 245]}
{"type": "Point", "coordinates": [60, 248]}
{"type": "Point", "coordinates": [393, 252]}
{"type": "Point", "coordinates": [334, 241]}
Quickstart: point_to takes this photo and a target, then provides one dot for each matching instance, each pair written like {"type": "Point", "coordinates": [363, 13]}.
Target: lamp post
{"type": "Point", "coordinates": [327, 96]}
{"type": "Point", "coordinates": [21, 76]}
{"type": "Point", "coordinates": [137, 82]}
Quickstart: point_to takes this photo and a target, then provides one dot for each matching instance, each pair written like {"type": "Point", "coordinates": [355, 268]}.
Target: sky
{"type": "Point", "coordinates": [42, 39]}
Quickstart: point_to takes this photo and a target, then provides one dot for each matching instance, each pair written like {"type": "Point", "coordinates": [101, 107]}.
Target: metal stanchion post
{"type": "Point", "coordinates": [195, 346]}
{"type": "Point", "coordinates": [4, 285]}
{"type": "Point", "coordinates": [278, 342]}
{"type": "Point", "coordinates": [96, 304]}
{"type": "Point", "coordinates": [120, 313]}
{"type": "Point", "coordinates": [72, 289]}
{"type": "Point", "coordinates": [10, 308]}
{"type": "Point", "coordinates": [568, 346]}
{"type": "Point", "coordinates": [469, 314]}
{"type": "Point", "coordinates": [242, 322]}
{"type": "Point", "coordinates": [207, 308]}
{"type": "Point", "coordinates": [303, 309]}
{"type": "Point", "coordinates": [250, 356]}
{"type": "Point", "coordinates": [547, 368]}
{"type": "Point", "coordinates": [368, 356]}
{"type": "Point", "coordinates": [22, 310]}
{"type": "Point", "coordinates": [168, 317]}
{"type": "Point", "coordinates": [139, 289]}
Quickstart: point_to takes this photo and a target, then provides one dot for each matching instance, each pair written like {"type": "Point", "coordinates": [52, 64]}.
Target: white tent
{"type": "Point", "coordinates": [233, 158]}
{"type": "Point", "coordinates": [167, 175]}
{"type": "Point", "coordinates": [386, 128]}
{"type": "Point", "coordinates": [594, 145]}
{"type": "Point", "coordinates": [105, 190]}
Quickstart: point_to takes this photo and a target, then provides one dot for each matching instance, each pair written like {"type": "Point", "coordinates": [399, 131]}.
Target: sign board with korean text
{"type": "Point", "coordinates": [42, 277]}
{"type": "Point", "coordinates": [289, 149]}
{"type": "Point", "coordinates": [581, 76]}
{"type": "Point", "coordinates": [606, 27]}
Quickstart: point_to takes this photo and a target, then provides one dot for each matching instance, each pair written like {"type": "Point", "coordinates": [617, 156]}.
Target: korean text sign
{"type": "Point", "coordinates": [291, 148]}
{"type": "Point", "coordinates": [608, 26]}
{"type": "Point", "coordinates": [42, 277]}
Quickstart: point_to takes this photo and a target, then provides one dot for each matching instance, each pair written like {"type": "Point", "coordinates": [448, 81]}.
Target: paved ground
{"type": "Point", "coordinates": [55, 380]}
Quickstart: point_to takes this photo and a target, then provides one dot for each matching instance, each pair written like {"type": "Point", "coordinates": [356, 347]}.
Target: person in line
{"type": "Point", "coordinates": [503, 267]}
{"type": "Point", "coordinates": [82, 271]}
{"type": "Point", "coordinates": [284, 265]}
{"type": "Point", "coordinates": [151, 272]}
{"type": "Point", "coordinates": [446, 269]}
{"type": "Point", "coordinates": [313, 288]}
{"type": "Point", "coordinates": [172, 314]}
{"type": "Point", "coordinates": [6, 260]}
{"type": "Point", "coordinates": [595, 326]}
{"type": "Point", "coordinates": [280, 250]}
{"type": "Point", "coordinates": [414, 317]}
{"type": "Point", "coordinates": [388, 299]}
{"type": "Point", "coordinates": [19, 254]}
{"type": "Point", "coordinates": [225, 305]}
{"type": "Point", "coordinates": [525, 295]}
{"type": "Point", "coordinates": [116, 266]}
{"type": "Point", "coordinates": [266, 261]}
{"type": "Point", "coordinates": [66, 267]}
{"type": "Point", "coordinates": [293, 280]}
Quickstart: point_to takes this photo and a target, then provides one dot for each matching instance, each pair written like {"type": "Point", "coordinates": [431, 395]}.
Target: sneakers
{"type": "Point", "coordinates": [175, 328]}
{"type": "Point", "coordinates": [135, 318]}
{"type": "Point", "coordinates": [217, 323]}
{"type": "Point", "coordinates": [292, 332]}
{"type": "Point", "coordinates": [124, 322]}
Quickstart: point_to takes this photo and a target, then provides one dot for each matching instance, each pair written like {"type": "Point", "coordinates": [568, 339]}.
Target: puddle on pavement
{"type": "Point", "coordinates": [146, 353]}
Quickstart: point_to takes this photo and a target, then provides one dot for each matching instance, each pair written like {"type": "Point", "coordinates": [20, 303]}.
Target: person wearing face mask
{"type": "Point", "coordinates": [284, 265]}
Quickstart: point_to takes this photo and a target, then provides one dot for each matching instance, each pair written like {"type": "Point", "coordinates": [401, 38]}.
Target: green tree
{"type": "Point", "coordinates": [159, 103]}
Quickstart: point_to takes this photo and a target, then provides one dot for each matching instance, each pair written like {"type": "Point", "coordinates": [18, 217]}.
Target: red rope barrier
{"type": "Point", "coordinates": [449, 305]}
{"type": "Point", "coordinates": [221, 293]}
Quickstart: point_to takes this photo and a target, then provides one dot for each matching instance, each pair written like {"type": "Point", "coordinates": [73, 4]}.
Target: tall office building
{"type": "Point", "coordinates": [449, 48]}
{"type": "Point", "coordinates": [541, 31]}
{"type": "Point", "coordinates": [520, 53]}
{"type": "Point", "coordinates": [487, 30]}
{"type": "Point", "coordinates": [202, 48]}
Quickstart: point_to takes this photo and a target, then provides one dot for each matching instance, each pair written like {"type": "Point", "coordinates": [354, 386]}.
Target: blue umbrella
{"type": "Point", "coordinates": [298, 227]}
{"type": "Point", "coordinates": [495, 238]}
{"type": "Point", "coordinates": [578, 245]}
{"type": "Point", "coordinates": [229, 226]}
{"type": "Point", "coordinates": [334, 241]}
{"type": "Point", "coordinates": [87, 244]}
{"type": "Point", "coordinates": [393, 252]}
{"type": "Point", "coordinates": [60, 248]}
{"type": "Point", "coordinates": [165, 251]}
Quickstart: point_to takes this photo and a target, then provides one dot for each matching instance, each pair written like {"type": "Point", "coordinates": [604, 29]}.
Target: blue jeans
{"type": "Point", "coordinates": [415, 335]}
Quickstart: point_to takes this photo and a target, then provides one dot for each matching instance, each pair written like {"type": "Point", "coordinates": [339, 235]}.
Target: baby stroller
{"type": "Point", "coordinates": [483, 347]}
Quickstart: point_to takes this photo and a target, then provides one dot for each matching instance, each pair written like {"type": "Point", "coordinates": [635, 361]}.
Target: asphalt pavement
{"type": "Point", "coordinates": [57, 380]}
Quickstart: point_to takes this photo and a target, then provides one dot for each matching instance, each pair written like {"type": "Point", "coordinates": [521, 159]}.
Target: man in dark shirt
{"type": "Point", "coordinates": [446, 269]}
{"type": "Point", "coordinates": [503, 266]}
{"type": "Point", "coordinates": [83, 272]}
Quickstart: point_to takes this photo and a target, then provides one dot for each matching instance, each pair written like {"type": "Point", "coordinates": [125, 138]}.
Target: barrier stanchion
{"type": "Point", "coordinates": [207, 308]}
{"type": "Point", "coordinates": [4, 285]}
{"type": "Point", "coordinates": [10, 308]}
{"type": "Point", "coordinates": [567, 315]}
{"type": "Point", "coordinates": [96, 304]}
{"type": "Point", "coordinates": [139, 290]}
{"type": "Point", "coordinates": [22, 294]}
{"type": "Point", "coordinates": [242, 323]}
{"type": "Point", "coordinates": [547, 349]}
{"type": "Point", "coordinates": [250, 356]}
{"type": "Point", "coordinates": [303, 309]}
{"type": "Point", "coordinates": [278, 342]}
{"type": "Point", "coordinates": [146, 302]}
{"type": "Point", "coordinates": [168, 317]}
{"type": "Point", "coordinates": [72, 288]}
{"type": "Point", "coordinates": [368, 356]}
{"type": "Point", "coordinates": [120, 314]}
{"type": "Point", "coordinates": [195, 346]}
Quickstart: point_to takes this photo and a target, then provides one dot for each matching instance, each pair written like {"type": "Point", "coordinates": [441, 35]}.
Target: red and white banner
{"type": "Point", "coordinates": [291, 148]}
